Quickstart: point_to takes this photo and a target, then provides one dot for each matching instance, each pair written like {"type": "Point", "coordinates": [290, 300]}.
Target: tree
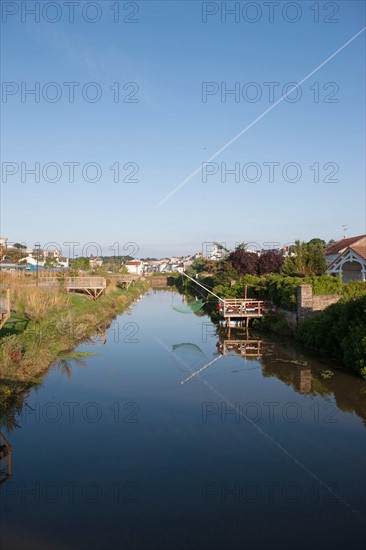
{"type": "Point", "coordinates": [80, 263]}
{"type": "Point", "coordinates": [317, 241]}
{"type": "Point", "coordinates": [270, 261]}
{"type": "Point", "coordinates": [199, 265]}
{"type": "Point", "coordinates": [15, 254]}
{"type": "Point", "coordinates": [306, 259]}
{"type": "Point", "coordinates": [245, 262]}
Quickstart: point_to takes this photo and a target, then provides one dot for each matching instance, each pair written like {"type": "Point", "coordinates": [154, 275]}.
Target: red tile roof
{"type": "Point", "coordinates": [345, 243]}
{"type": "Point", "coordinates": [360, 249]}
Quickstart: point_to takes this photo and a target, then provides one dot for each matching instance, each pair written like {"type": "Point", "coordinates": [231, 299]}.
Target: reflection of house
{"type": "Point", "coordinates": [347, 258]}
{"type": "Point", "coordinates": [134, 266]}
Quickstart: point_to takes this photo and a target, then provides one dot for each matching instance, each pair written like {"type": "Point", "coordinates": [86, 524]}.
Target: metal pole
{"type": "Point", "coordinates": [37, 245]}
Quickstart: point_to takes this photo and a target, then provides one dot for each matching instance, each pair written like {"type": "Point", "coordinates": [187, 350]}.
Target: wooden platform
{"type": "Point", "coordinates": [240, 309]}
{"type": "Point", "coordinates": [93, 286]}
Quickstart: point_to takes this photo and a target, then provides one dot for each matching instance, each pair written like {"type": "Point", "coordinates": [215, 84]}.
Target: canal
{"type": "Point", "coordinates": [170, 436]}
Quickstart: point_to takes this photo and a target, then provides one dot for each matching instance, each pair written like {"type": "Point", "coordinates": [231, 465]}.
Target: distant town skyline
{"type": "Point", "coordinates": [76, 248]}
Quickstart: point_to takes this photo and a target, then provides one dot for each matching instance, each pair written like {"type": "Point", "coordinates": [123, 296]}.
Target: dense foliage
{"type": "Point", "coordinates": [249, 263]}
{"type": "Point", "coordinates": [305, 259]}
{"type": "Point", "coordinates": [280, 290]}
{"type": "Point", "coordinates": [339, 332]}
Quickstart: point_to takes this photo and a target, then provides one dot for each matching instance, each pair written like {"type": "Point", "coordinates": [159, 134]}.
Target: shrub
{"type": "Point", "coordinates": [339, 333]}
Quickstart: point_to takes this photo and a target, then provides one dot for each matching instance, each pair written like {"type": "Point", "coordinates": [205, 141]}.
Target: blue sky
{"type": "Point", "coordinates": [170, 131]}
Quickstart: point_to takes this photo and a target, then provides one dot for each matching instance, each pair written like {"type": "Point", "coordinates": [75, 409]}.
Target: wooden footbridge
{"type": "Point", "coordinates": [5, 308]}
{"type": "Point", "coordinates": [93, 286]}
{"type": "Point", "coordinates": [124, 281]}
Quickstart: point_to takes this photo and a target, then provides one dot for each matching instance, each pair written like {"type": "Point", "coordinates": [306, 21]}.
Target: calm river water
{"type": "Point", "coordinates": [167, 438]}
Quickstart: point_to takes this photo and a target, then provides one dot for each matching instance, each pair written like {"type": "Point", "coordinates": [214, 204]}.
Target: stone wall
{"type": "Point", "coordinates": [308, 305]}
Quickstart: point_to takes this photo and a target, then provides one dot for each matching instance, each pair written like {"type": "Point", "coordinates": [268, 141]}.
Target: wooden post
{"type": "Point", "coordinates": [8, 300]}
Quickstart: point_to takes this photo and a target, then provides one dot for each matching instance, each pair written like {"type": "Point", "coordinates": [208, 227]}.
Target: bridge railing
{"type": "Point", "coordinates": [74, 282]}
{"type": "Point", "coordinates": [124, 278]}
{"type": "Point", "coordinates": [85, 282]}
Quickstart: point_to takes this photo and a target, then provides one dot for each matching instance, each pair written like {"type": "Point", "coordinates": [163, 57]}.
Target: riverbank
{"type": "Point", "coordinates": [335, 335]}
{"type": "Point", "coordinates": [47, 324]}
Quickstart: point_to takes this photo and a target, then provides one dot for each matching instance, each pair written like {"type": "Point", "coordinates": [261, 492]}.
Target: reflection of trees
{"type": "Point", "coordinates": [301, 372]}
{"type": "Point", "coordinates": [5, 459]}
{"type": "Point", "coordinates": [348, 390]}
{"type": "Point", "coordinates": [12, 403]}
{"type": "Point", "coordinates": [64, 364]}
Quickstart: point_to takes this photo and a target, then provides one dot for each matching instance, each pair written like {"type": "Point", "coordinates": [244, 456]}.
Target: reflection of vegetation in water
{"type": "Point", "coordinates": [5, 459]}
{"type": "Point", "coordinates": [13, 394]}
{"type": "Point", "coordinates": [325, 374]}
{"type": "Point", "coordinates": [348, 391]}
{"type": "Point", "coordinates": [12, 403]}
{"type": "Point", "coordinates": [66, 361]}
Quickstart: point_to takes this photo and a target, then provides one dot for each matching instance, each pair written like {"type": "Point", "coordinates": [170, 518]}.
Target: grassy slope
{"type": "Point", "coordinates": [27, 347]}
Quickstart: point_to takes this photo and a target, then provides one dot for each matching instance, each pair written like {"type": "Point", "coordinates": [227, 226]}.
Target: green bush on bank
{"type": "Point", "coordinates": [280, 290]}
{"type": "Point", "coordinates": [338, 333]}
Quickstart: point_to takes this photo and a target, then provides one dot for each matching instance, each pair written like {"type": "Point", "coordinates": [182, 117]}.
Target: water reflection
{"type": "Point", "coordinates": [246, 348]}
{"type": "Point", "coordinates": [206, 477]}
{"type": "Point", "coordinates": [5, 460]}
{"type": "Point", "coordinates": [303, 379]}
{"type": "Point", "coordinates": [284, 362]}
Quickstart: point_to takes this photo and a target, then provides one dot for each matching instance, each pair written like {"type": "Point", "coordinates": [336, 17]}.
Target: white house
{"type": "Point", "coordinates": [95, 261]}
{"type": "Point", "coordinates": [31, 260]}
{"type": "Point", "coordinates": [134, 266]}
{"type": "Point", "coordinates": [347, 259]}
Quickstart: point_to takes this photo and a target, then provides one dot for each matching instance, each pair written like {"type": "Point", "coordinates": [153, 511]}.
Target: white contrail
{"type": "Point", "coordinates": [237, 136]}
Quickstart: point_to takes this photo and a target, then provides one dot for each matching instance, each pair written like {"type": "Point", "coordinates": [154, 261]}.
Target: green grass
{"type": "Point", "coordinates": [15, 325]}
{"type": "Point", "coordinates": [28, 347]}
